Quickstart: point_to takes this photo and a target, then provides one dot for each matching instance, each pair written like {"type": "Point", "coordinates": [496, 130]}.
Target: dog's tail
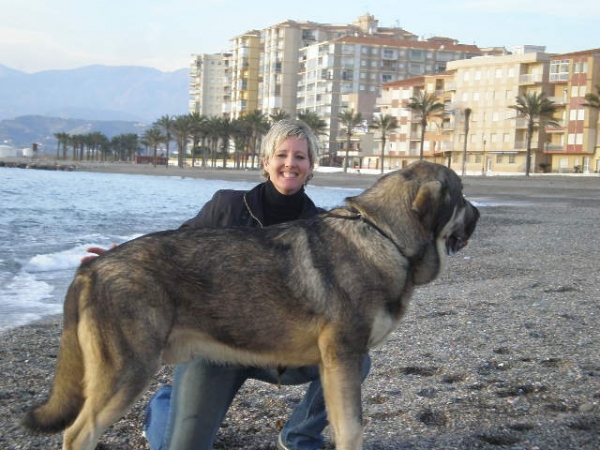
{"type": "Point", "coordinates": [66, 397]}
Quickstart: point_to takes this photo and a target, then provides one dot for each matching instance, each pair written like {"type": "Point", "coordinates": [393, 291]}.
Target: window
{"type": "Point", "coordinates": [416, 55]}
{"type": "Point", "coordinates": [559, 69]}
{"type": "Point", "coordinates": [416, 69]}
{"type": "Point", "coordinates": [388, 53]}
{"type": "Point", "coordinates": [577, 114]}
{"type": "Point", "coordinates": [571, 139]}
{"type": "Point", "coordinates": [499, 159]}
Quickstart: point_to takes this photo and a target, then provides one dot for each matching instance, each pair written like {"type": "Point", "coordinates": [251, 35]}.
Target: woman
{"type": "Point", "coordinates": [188, 415]}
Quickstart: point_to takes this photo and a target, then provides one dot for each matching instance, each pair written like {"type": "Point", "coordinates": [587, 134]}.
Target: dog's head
{"type": "Point", "coordinates": [440, 205]}
{"type": "Point", "coordinates": [424, 208]}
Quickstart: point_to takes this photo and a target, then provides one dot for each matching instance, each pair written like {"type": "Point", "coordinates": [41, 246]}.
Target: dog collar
{"type": "Point", "coordinates": [357, 215]}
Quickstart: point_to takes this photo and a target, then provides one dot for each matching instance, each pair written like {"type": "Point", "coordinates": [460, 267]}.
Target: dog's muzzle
{"type": "Point", "coordinates": [459, 238]}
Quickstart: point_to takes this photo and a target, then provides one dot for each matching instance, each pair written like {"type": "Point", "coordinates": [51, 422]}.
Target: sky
{"type": "Point", "coordinates": [38, 35]}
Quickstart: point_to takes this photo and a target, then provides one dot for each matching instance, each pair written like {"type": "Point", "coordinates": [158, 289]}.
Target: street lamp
{"type": "Point", "coordinates": [464, 161]}
{"type": "Point", "coordinates": [483, 162]}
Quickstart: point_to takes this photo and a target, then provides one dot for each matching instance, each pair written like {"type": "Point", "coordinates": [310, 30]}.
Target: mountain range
{"type": "Point", "coordinates": [109, 99]}
{"type": "Point", "coordinates": [95, 93]}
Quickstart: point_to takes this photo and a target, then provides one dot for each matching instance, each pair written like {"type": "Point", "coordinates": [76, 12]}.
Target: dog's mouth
{"type": "Point", "coordinates": [454, 244]}
{"type": "Point", "coordinates": [459, 238]}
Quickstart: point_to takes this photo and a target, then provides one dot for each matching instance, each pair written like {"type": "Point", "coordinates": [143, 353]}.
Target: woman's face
{"type": "Point", "coordinates": [289, 166]}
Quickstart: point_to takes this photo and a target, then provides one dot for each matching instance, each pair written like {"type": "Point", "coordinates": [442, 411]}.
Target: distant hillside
{"type": "Point", "coordinates": [23, 131]}
{"type": "Point", "coordinates": [140, 94]}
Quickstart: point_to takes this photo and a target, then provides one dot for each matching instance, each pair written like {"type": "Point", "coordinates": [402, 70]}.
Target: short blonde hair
{"type": "Point", "coordinates": [284, 129]}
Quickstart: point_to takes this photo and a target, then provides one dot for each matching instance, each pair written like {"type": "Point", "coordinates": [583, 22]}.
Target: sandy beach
{"type": "Point", "coordinates": [501, 352]}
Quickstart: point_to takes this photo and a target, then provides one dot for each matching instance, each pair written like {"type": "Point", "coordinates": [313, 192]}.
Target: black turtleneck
{"type": "Point", "coordinates": [279, 208]}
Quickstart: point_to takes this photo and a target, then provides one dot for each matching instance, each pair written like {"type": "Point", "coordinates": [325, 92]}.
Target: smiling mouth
{"type": "Point", "coordinates": [289, 175]}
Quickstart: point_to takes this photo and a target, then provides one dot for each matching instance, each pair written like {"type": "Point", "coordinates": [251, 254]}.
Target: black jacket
{"type": "Point", "coordinates": [240, 208]}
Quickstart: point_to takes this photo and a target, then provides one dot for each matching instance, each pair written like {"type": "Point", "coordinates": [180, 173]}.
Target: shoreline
{"type": "Point", "coordinates": [500, 352]}
{"type": "Point", "coordinates": [517, 185]}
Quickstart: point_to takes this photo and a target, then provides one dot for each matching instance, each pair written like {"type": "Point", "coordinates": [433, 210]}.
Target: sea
{"type": "Point", "coordinates": [49, 218]}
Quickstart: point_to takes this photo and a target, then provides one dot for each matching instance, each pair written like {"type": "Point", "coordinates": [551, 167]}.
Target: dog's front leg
{"type": "Point", "coordinates": [340, 376]}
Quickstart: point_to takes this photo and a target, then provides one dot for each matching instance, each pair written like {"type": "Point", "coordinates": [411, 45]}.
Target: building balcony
{"type": "Point", "coordinates": [520, 123]}
{"type": "Point", "coordinates": [558, 100]}
{"type": "Point", "coordinates": [530, 78]}
{"type": "Point", "coordinates": [554, 130]}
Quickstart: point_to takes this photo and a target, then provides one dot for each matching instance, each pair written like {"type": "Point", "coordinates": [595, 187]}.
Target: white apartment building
{"type": "Point", "coordinates": [348, 72]}
{"type": "Point", "coordinates": [280, 60]}
{"type": "Point", "coordinates": [207, 73]}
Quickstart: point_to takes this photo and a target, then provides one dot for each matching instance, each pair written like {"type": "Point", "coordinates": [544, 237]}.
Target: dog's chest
{"type": "Point", "coordinates": [382, 325]}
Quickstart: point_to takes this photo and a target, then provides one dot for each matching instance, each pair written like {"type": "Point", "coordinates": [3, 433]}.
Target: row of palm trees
{"type": "Point", "coordinates": [536, 108]}
{"type": "Point", "coordinates": [211, 136]}
{"type": "Point", "coordinates": [96, 146]}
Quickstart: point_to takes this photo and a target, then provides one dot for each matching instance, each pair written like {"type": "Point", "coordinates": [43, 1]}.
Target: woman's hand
{"type": "Point", "coordinates": [97, 251]}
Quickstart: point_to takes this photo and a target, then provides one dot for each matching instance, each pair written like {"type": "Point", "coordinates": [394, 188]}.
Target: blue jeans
{"type": "Point", "coordinates": [188, 415]}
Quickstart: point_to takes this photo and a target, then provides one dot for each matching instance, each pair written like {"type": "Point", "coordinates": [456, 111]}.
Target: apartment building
{"type": "Point", "coordinates": [403, 143]}
{"type": "Point", "coordinates": [348, 72]}
{"type": "Point", "coordinates": [573, 146]}
{"type": "Point", "coordinates": [496, 139]}
{"type": "Point", "coordinates": [281, 57]}
{"type": "Point", "coordinates": [262, 66]}
{"type": "Point", "coordinates": [207, 73]}
{"type": "Point", "coordinates": [479, 90]}
{"type": "Point", "coordinates": [240, 87]}
{"type": "Point", "coordinates": [488, 86]}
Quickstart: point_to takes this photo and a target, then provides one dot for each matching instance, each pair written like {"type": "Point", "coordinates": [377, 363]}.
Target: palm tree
{"type": "Point", "coordinates": [314, 122]}
{"type": "Point", "coordinates": [592, 101]}
{"type": "Point", "coordinates": [349, 120]}
{"type": "Point", "coordinates": [61, 140]}
{"type": "Point", "coordinates": [197, 133]}
{"type": "Point", "coordinates": [78, 144]}
{"type": "Point", "coordinates": [181, 129]}
{"type": "Point", "coordinates": [96, 140]}
{"type": "Point", "coordinates": [537, 110]}
{"type": "Point", "coordinates": [278, 115]}
{"type": "Point", "coordinates": [226, 131]}
{"type": "Point", "coordinates": [212, 133]}
{"type": "Point", "coordinates": [154, 137]}
{"type": "Point", "coordinates": [426, 106]}
{"type": "Point", "coordinates": [241, 137]}
{"type": "Point", "coordinates": [385, 123]}
{"type": "Point", "coordinates": [258, 125]}
{"type": "Point", "coordinates": [165, 123]}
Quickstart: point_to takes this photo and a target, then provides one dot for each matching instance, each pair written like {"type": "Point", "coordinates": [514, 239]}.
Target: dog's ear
{"type": "Point", "coordinates": [427, 201]}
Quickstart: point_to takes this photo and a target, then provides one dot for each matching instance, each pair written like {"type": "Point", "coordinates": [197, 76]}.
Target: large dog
{"type": "Point", "coordinates": [321, 291]}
